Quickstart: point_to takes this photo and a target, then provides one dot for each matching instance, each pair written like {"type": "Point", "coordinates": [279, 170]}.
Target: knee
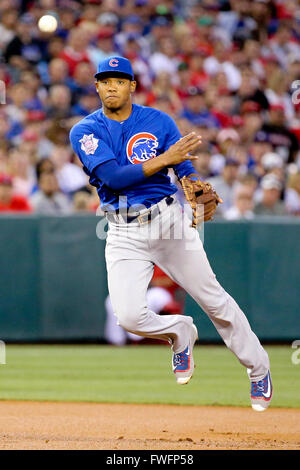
{"type": "Point", "coordinates": [129, 318]}
{"type": "Point", "coordinates": [216, 306]}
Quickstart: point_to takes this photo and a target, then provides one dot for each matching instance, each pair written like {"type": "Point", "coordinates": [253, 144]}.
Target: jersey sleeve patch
{"type": "Point", "coordinates": [89, 144]}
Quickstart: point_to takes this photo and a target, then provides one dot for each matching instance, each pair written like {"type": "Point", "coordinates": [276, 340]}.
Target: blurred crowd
{"type": "Point", "coordinates": [229, 69]}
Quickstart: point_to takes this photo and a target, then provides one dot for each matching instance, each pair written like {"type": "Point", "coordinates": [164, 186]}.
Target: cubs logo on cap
{"type": "Point", "coordinates": [114, 66]}
{"type": "Point", "coordinates": [114, 62]}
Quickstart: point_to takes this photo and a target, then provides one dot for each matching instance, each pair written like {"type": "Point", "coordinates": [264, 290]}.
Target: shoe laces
{"type": "Point", "coordinates": [259, 386]}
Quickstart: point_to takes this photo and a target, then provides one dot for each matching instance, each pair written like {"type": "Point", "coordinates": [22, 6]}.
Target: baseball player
{"type": "Point", "coordinates": [126, 150]}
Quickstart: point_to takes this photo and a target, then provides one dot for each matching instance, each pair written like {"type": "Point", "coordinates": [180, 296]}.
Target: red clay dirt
{"type": "Point", "coordinates": [72, 426]}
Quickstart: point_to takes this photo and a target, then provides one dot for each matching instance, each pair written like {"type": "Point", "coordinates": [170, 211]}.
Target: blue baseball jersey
{"type": "Point", "coordinates": [146, 134]}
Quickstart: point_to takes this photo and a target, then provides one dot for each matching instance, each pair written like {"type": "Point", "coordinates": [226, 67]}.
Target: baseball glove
{"type": "Point", "coordinates": [202, 198]}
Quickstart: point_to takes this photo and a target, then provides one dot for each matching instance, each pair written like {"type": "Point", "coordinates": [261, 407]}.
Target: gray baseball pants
{"type": "Point", "coordinates": [169, 242]}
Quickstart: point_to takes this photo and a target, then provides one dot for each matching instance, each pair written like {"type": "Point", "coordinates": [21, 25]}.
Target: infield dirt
{"type": "Point", "coordinates": [72, 426]}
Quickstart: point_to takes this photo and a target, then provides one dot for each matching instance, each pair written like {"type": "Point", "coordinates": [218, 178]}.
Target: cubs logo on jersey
{"type": "Point", "coordinates": [141, 147]}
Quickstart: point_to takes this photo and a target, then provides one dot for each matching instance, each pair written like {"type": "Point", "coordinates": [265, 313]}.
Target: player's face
{"type": "Point", "coordinates": [115, 92]}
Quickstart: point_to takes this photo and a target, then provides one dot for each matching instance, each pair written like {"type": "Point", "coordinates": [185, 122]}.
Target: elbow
{"type": "Point", "coordinates": [114, 184]}
{"type": "Point", "coordinates": [111, 181]}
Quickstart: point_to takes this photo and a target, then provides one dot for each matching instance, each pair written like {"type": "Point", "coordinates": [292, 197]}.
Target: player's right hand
{"type": "Point", "coordinates": [179, 151]}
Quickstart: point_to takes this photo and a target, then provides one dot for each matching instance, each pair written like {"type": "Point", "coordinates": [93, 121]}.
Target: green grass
{"type": "Point", "coordinates": [138, 374]}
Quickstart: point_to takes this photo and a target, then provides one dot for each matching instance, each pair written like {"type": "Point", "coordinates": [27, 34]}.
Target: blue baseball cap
{"type": "Point", "coordinates": [114, 67]}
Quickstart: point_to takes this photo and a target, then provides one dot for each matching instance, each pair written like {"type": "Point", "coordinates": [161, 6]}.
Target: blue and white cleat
{"type": "Point", "coordinates": [183, 362]}
{"type": "Point", "coordinates": [261, 393]}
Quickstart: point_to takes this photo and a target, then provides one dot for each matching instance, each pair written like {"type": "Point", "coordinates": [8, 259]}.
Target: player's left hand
{"type": "Point", "coordinates": [202, 198]}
